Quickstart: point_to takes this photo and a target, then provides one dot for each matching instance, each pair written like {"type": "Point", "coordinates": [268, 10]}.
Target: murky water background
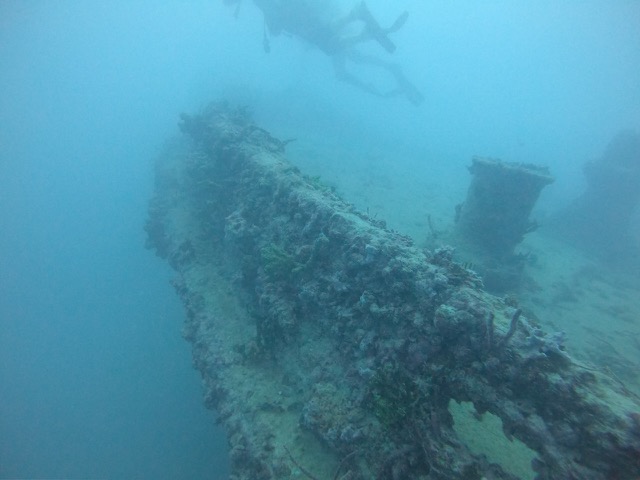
{"type": "Point", "coordinates": [96, 381]}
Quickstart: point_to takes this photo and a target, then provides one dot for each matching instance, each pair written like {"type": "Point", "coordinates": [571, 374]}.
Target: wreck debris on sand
{"type": "Point", "coordinates": [332, 347]}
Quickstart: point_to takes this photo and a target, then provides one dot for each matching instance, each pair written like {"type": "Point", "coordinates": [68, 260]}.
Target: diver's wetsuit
{"type": "Point", "coordinates": [313, 22]}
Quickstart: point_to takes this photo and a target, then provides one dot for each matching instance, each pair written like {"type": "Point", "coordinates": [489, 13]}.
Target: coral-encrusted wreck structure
{"type": "Point", "coordinates": [332, 347]}
{"type": "Point", "coordinates": [494, 219]}
{"type": "Point", "coordinates": [495, 216]}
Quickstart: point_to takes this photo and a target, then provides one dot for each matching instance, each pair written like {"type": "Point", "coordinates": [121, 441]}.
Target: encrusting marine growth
{"type": "Point", "coordinates": [331, 346]}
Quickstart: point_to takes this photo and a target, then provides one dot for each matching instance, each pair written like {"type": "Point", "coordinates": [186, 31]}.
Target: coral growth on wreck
{"type": "Point", "coordinates": [331, 346]}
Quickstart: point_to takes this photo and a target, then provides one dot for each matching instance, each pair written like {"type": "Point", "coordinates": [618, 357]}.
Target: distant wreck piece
{"type": "Point", "coordinates": [600, 220]}
{"type": "Point", "coordinates": [332, 347]}
{"type": "Point", "coordinates": [494, 218]}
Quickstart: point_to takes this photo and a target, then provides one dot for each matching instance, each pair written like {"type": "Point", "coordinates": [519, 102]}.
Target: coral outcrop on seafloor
{"type": "Point", "coordinates": [332, 347]}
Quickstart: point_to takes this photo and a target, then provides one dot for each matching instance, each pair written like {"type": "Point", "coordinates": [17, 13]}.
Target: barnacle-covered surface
{"type": "Point", "coordinates": [332, 347]}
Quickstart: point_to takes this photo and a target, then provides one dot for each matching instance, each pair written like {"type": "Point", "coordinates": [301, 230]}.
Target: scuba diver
{"type": "Point", "coordinates": [315, 23]}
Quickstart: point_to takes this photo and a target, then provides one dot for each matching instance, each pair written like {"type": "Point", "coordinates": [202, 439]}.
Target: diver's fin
{"type": "Point", "coordinates": [266, 45]}
{"type": "Point", "coordinates": [374, 29]}
{"type": "Point", "coordinates": [406, 87]}
{"type": "Point", "coordinates": [399, 23]}
{"type": "Point", "coordinates": [413, 94]}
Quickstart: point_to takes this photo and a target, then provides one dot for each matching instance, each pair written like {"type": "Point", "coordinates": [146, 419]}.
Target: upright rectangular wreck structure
{"type": "Point", "coordinates": [331, 347]}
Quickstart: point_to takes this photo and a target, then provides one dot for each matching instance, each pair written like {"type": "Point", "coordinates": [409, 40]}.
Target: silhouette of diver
{"type": "Point", "coordinates": [315, 23]}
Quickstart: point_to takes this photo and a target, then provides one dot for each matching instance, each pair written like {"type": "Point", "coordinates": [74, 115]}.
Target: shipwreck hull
{"type": "Point", "coordinates": [331, 347]}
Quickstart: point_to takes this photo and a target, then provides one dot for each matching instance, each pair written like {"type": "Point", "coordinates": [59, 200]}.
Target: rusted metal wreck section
{"type": "Point", "coordinates": [331, 347]}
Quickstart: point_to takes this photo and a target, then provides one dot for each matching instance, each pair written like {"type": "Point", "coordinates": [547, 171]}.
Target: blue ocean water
{"type": "Point", "coordinates": [96, 380]}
